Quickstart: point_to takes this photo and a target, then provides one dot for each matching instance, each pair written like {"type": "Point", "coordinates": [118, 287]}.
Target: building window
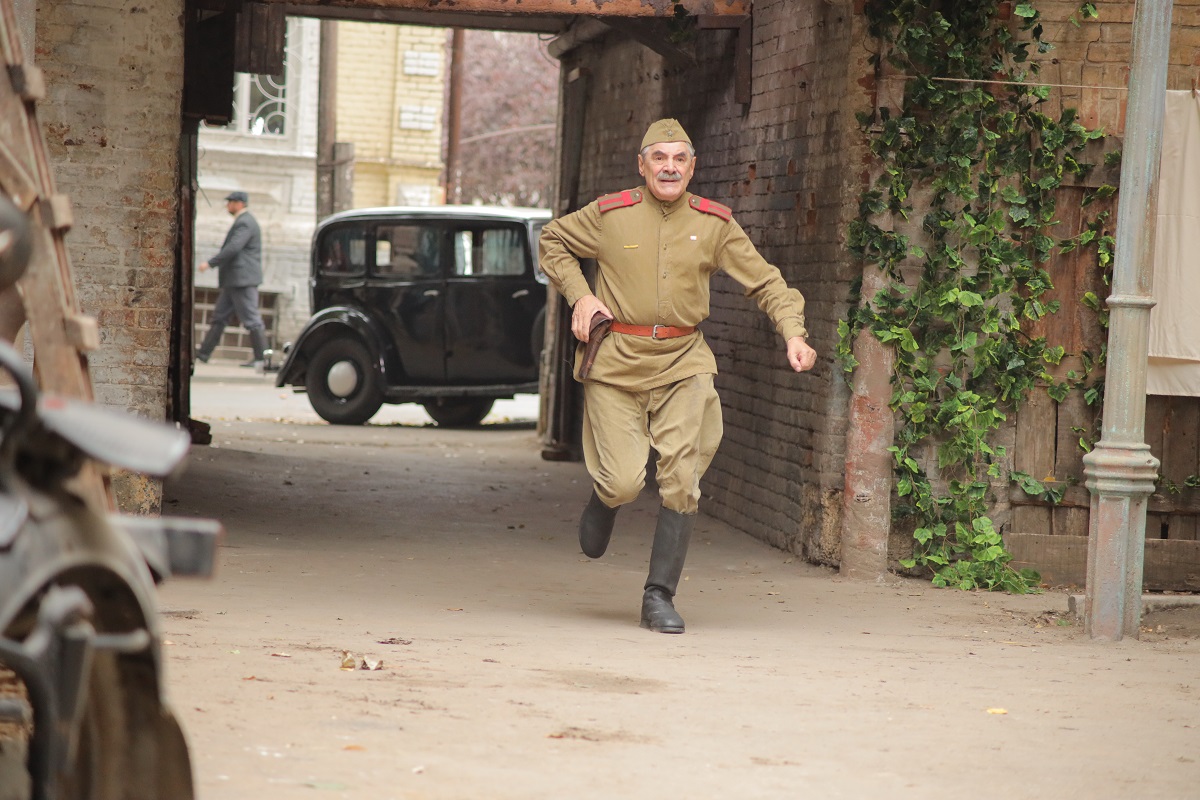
{"type": "Point", "coordinates": [260, 105]}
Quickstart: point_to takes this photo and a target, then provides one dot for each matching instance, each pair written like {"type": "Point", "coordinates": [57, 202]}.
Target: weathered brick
{"type": "Point", "coordinates": [111, 123]}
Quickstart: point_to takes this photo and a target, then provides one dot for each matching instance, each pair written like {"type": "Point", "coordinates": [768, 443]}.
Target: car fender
{"type": "Point", "coordinates": [328, 324]}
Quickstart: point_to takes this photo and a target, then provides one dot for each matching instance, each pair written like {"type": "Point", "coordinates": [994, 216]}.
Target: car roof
{"type": "Point", "coordinates": [440, 212]}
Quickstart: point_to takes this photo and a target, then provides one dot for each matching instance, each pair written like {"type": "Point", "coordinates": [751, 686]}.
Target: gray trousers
{"type": "Point", "coordinates": [242, 300]}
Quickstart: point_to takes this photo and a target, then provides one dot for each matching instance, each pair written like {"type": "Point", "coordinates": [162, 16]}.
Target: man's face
{"type": "Point", "coordinates": [234, 206]}
{"type": "Point", "coordinates": [667, 168]}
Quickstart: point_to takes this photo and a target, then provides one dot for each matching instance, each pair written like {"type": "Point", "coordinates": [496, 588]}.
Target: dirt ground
{"type": "Point", "coordinates": [511, 666]}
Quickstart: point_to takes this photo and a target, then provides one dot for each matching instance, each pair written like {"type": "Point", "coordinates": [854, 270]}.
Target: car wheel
{"type": "Point", "coordinates": [459, 412]}
{"type": "Point", "coordinates": [341, 385]}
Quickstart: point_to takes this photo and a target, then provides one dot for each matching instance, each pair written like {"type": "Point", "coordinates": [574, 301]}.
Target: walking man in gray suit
{"type": "Point", "coordinates": [240, 262]}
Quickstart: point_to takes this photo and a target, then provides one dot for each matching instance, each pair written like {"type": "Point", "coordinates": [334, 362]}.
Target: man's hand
{"type": "Point", "coordinates": [800, 355]}
{"type": "Point", "coordinates": [586, 308]}
{"type": "Point", "coordinates": [203, 266]}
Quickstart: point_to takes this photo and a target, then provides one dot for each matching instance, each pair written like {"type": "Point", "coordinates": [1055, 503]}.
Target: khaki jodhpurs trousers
{"type": "Point", "coordinates": [681, 421]}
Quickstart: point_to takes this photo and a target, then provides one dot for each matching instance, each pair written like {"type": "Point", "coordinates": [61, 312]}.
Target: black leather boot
{"type": "Point", "coordinates": [596, 527]}
{"type": "Point", "coordinates": [671, 539]}
{"type": "Point", "coordinates": [211, 340]}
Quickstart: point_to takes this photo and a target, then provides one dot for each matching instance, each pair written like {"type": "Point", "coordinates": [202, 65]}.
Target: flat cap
{"type": "Point", "coordinates": [238, 197]}
{"type": "Point", "coordinates": [665, 130]}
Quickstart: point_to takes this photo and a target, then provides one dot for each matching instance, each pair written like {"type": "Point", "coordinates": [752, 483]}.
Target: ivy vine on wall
{"type": "Point", "coordinates": [970, 274]}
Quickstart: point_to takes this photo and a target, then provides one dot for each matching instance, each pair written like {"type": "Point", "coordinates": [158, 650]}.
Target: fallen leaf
{"type": "Point", "coordinates": [348, 661]}
{"type": "Point", "coordinates": [370, 663]}
{"type": "Point", "coordinates": [418, 770]}
{"type": "Point", "coordinates": [395, 640]}
{"type": "Point", "coordinates": [281, 655]}
{"type": "Point", "coordinates": [997, 711]}
{"type": "Point", "coordinates": [454, 609]}
{"type": "Point", "coordinates": [355, 747]}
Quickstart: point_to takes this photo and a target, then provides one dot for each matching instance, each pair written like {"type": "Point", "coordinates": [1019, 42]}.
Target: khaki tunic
{"type": "Point", "coordinates": [655, 263]}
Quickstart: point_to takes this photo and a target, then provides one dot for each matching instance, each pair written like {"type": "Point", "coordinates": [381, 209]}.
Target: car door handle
{"type": "Point", "coordinates": [432, 292]}
{"type": "Point", "coordinates": [520, 293]}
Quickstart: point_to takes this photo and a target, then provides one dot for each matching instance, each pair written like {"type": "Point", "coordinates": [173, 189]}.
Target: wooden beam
{"type": "Point", "coordinates": [656, 35]}
{"type": "Point", "coordinates": [259, 39]}
{"type": "Point", "coordinates": [564, 8]}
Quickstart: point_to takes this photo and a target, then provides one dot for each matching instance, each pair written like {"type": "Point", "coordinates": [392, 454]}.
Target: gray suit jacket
{"type": "Point", "coordinates": [240, 259]}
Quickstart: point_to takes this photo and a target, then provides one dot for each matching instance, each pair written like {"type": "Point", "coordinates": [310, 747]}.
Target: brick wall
{"type": "Point", "coordinates": [786, 164]}
{"type": "Point", "coordinates": [111, 121]}
{"type": "Point", "coordinates": [792, 164]}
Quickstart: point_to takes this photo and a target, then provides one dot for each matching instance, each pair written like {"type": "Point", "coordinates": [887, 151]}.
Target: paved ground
{"type": "Point", "coordinates": [513, 667]}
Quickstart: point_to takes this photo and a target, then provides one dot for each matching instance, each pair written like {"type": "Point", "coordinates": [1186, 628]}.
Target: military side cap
{"type": "Point", "coordinates": [665, 130]}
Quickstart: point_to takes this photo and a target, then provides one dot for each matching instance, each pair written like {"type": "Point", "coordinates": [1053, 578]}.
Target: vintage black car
{"type": "Point", "coordinates": [442, 306]}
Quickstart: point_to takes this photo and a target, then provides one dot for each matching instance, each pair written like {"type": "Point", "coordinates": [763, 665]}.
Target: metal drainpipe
{"type": "Point", "coordinates": [1120, 471]}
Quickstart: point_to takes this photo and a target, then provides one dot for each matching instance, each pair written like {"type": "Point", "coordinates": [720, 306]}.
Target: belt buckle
{"type": "Point", "coordinates": [654, 331]}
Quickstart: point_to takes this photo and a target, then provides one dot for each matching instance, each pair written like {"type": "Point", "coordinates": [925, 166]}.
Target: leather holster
{"type": "Point", "coordinates": [596, 333]}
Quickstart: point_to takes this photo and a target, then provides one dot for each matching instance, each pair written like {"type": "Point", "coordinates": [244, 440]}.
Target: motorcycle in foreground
{"type": "Point", "coordinates": [83, 712]}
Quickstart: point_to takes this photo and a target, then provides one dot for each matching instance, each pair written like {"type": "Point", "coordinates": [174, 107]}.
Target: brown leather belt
{"type": "Point", "coordinates": [653, 331]}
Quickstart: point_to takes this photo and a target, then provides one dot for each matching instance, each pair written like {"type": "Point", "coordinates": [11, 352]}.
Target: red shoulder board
{"type": "Point", "coordinates": [629, 197]}
{"type": "Point", "coordinates": [703, 204]}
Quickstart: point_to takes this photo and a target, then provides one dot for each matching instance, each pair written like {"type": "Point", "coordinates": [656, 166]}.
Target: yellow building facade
{"type": "Point", "coordinates": [390, 104]}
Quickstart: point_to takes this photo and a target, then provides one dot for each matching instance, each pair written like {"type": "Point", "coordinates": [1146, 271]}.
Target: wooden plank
{"type": "Point", "coordinates": [1154, 525]}
{"type": "Point", "coordinates": [1156, 423]}
{"type": "Point", "coordinates": [1031, 519]}
{"type": "Point", "coordinates": [1170, 564]}
{"type": "Point", "coordinates": [1183, 526]}
{"type": "Point", "coordinates": [1060, 560]}
{"type": "Point", "coordinates": [1181, 442]}
{"type": "Point", "coordinates": [1059, 328]}
{"type": "Point", "coordinates": [1186, 502]}
{"type": "Point", "coordinates": [1033, 452]}
{"type": "Point", "coordinates": [1073, 412]}
{"type": "Point", "coordinates": [259, 39]}
{"type": "Point", "coordinates": [1070, 521]}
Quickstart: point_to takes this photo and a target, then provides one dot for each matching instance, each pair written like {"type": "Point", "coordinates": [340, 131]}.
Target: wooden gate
{"type": "Point", "coordinates": [1051, 438]}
